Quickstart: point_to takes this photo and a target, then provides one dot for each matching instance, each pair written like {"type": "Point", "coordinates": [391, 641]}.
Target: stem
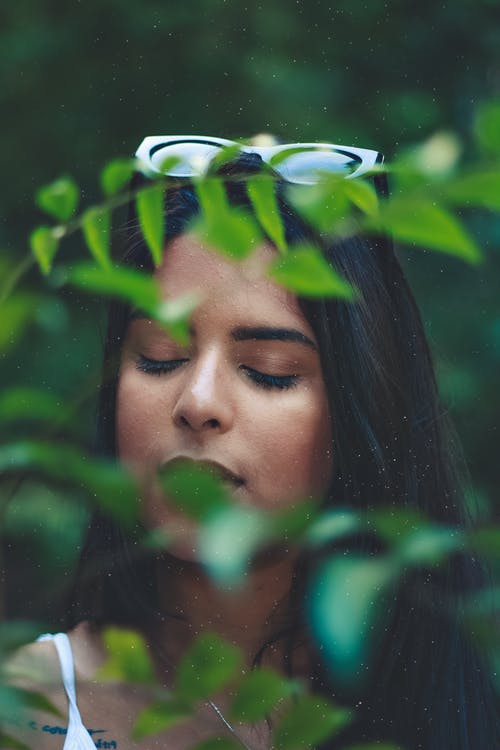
{"type": "Point", "coordinates": [64, 230]}
{"type": "Point", "coordinates": [15, 275]}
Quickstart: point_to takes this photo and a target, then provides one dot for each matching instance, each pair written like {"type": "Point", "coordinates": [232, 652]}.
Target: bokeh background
{"type": "Point", "coordinates": [82, 81]}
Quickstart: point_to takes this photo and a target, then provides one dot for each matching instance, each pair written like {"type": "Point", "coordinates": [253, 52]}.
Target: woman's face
{"type": "Point", "coordinates": [246, 393]}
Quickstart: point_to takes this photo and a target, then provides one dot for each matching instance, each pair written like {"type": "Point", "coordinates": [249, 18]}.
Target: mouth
{"type": "Point", "coordinates": [219, 471]}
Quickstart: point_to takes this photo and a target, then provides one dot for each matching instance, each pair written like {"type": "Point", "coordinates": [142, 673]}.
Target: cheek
{"type": "Point", "coordinates": [138, 420]}
{"type": "Point", "coordinates": [295, 451]}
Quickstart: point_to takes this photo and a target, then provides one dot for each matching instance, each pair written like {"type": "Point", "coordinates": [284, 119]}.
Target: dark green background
{"type": "Point", "coordinates": [83, 82]}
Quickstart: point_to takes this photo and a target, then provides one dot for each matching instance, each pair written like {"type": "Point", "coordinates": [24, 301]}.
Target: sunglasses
{"type": "Point", "coordinates": [300, 163]}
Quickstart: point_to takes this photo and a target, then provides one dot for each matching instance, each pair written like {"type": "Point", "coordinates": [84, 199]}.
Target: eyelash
{"type": "Point", "coordinates": [157, 366]}
{"type": "Point", "coordinates": [261, 379]}
{"type": "Point", "coordinates": [268, 382]}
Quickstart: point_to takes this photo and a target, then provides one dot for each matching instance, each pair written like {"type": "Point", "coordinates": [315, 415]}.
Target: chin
{"type": "Point", "coordinates": [184, 550]}
{"type": "Point", "coordinates": [180, 531]}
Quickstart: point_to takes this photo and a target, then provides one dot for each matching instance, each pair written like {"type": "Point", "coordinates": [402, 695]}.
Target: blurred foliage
{"type": "Point", "coordinates": [82, 83]}
{"type": "Point", "coordinates": [207, 666]}
{"type": "Point", "coordinates": [378, 75]}
{"type": "Point", "coordinates": [231, 536]}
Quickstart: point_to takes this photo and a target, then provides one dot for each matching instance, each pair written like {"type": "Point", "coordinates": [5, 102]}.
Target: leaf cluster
{"type": "Point", "coordinates": [430, 192]}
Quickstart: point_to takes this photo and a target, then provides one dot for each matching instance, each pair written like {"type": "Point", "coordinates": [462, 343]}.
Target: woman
{"type": "Point", "coordinates": [284, 398]}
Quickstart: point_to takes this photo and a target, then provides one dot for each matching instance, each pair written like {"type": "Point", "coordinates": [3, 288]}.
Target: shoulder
{"type": "Point", "coordinates": [35, 667]}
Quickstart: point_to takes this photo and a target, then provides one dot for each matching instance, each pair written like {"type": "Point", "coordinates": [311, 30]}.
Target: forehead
{"type": "Point", "coordinates": [189, 266]}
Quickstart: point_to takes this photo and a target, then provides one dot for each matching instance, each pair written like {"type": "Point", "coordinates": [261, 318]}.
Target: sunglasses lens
{"type": "Point", "coordinates": [306, 166]}
{"type": "Point", "coordinates": [184, 156]}
{"type": "Point", "coordinates": [193, 157]}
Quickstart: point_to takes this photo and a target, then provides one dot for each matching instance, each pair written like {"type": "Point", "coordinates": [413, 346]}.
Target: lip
{"type": "Point", "coordinates": [214, 467]}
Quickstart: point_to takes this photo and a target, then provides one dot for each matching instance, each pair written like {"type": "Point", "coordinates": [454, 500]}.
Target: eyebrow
{"type": "Point", "coordinates": [266, 333]}
{"type": "Point", "coordinates": [254, 333]}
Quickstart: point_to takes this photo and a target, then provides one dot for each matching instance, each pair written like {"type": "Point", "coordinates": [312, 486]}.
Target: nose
{"type": "Point", "coordinates": [203, 404]}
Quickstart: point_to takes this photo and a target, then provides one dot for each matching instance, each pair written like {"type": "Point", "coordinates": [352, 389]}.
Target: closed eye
{"type": "Point", "coordinates": [157, 366]}
{"type": "Point", "coordinates": [261, 379]}
{"type": "Point", "coordinates": [265, 380]}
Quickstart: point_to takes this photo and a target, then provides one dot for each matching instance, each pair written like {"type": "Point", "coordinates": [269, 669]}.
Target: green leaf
{"type": "Point", "coordinates": [44, 244]}
{"type": "Point", "coordinates": [230, 538]}
{"type": "Point", "coordinates": [160, 716]}
{"type": "Point", "coordinates": [420, 222]}
{"type": "Point", "coordinates": [231, 231]}
{"type": "Point", "coordinates": [6, 741]}
{"type": "Point", "coordinates": [194, 489]}
{"type": "Point", "coordinates": [175, 314]}
{"type": "Point", "coordinates": [429, 545]}
{"type": "Point", "coordinates": [305, 271]}
{"type": "Point", "coordinates": [223, 156]}
{"type": "Point", "coordinates": [331, 525]}
{"type": "Point", "coordinates": [207, 666]}
{"type": "Point", "coordinates": [59, 199]}
{"type": "Point", "coordinates": [258, 693]}
{"type": "Point", "coordinates": [16, 312]}
{"type": "Point", "coordinates": [325, 205]}
{"type": "Point", "coordinates": [166, 165]}
{"type": "Point", "coordinates": [228, 541]}
{"type": "Point", "coordinates": [133, 286]}
{"type": "Point", "coordinates": [309, 721]}
{"type": "Point", "coordinates": [294, 521]}
{"type": "Point", "coordinates": [160, 170]}
{"type": "Point", "coordinates": [481, 188]}
{"type": "Point", "coordinates": [128, 659]}
{"type": "Point", "coordinates": [116, 175]}
{"type": "Point", "coordinates": [363, 195]}
{"type": "Point", "coordinates": [487, 126]}
{"type": "Point", "coordinates": [212, 197]}
{"type": "Point", "coordinates": [142, 292]}
{"type": "Point", "coordinates": [108, 484]}
{"type": "Point", "coordinates": [262, 193]}
{"type": "Point", "coordinates": [346, 608]}
{"type": "Point", "coordinates": [150, 212]}
{"type": "Point", "coordinates": [110, 487]}
{"type": "Point", "coordinates": [14, 701]}
{"type": "Point", "coordinates": [234, 234]}
{"type": "Point", "coordinates": [394, 525]}
{"type": "Point", "coordinates": [282, 155]}
{"type": "Point", "coordinates": [29, 403]}
{"type": "Point", "coordinates": [96, 227]}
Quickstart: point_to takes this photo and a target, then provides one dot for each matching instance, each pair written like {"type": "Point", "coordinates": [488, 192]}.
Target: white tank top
{"type": "Point", "coordinates": [77, 737]}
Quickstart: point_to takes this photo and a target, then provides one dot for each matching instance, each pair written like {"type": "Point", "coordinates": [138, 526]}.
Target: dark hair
{"type": "Point", "coordinates": [394, 445]}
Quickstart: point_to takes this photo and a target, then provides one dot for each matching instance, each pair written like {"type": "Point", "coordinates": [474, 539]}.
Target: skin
{"type": "Point", "coordinates": [210, 406]}
{"type": "Point", "coordinates": [107, 709]}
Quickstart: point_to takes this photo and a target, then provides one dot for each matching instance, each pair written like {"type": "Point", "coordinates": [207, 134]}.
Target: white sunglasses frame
{"type": "Point", "coordinates": [367, 159]}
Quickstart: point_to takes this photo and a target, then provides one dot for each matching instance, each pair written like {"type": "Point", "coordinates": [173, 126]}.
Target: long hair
{"type": "Point", "coordinates": [394, 446]}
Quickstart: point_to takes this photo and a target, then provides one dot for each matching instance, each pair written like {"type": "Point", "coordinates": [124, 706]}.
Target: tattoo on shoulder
{"type": "Point", "coordinates": [55, 729]}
